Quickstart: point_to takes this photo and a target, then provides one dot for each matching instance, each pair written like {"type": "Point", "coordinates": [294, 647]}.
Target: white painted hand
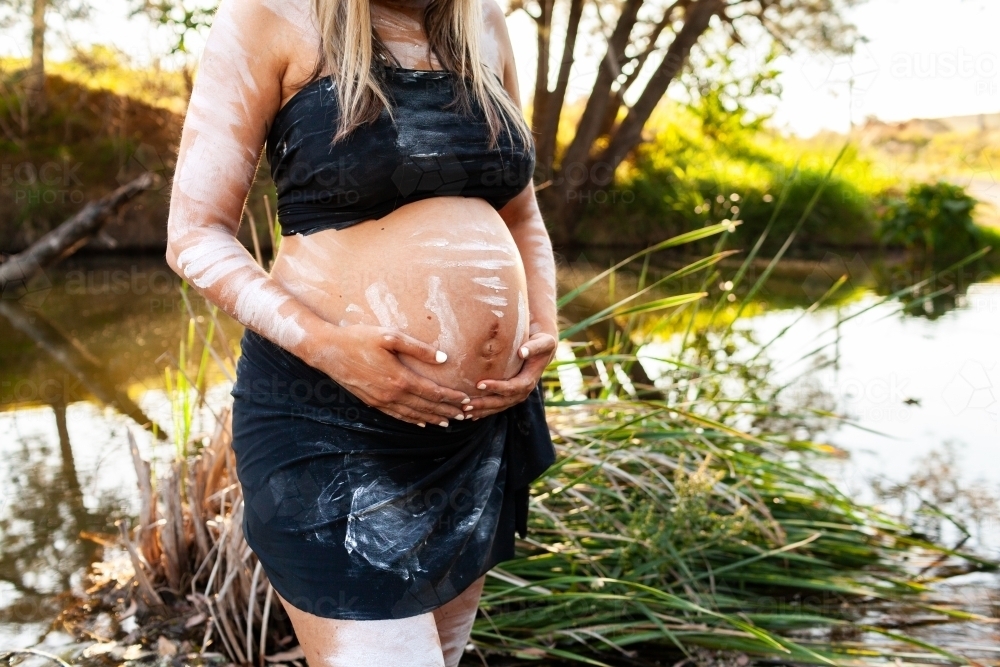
{"type": "Point", "coordinates": [365, 361]}
{"type": "Point", "coordinates": [536, 353]}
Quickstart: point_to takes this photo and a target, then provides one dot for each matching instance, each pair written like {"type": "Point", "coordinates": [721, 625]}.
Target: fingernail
{"type": "Point", "coordinates": [422, 425]}
{"type": "Point", "coordinates": [481, 385]}
{"type": "Point", "coordinates": [443, 424]}
{"type": "Point", "coordinates": [466, 401]}
{"type": "Point", "coordinates": [460, 417]}
{"type": "Point", "coordinates": [468, 407]}
{"type": "Point", "coordinates": [441, 357]}
{"type": "Point", "coordinates": [525, 352]}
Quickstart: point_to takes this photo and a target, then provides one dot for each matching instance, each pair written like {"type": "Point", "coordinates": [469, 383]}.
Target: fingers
{"type": "Point", "coordinates": [400, 343]}
{"type": "Point", "coordinates": [435, 403]}
{"type": "Point", "coordinates": [406, 407]}
{"type": "Point", "coordinates": [520, 384]}
{"type": "Point", "coordinates": [439, 411]}
{"type": "Point", "coordinates": [431, 391]}
{"type": "Point", "coordinates": [539, 345]}
{"type": "Point", "coordinates": [400, 416]}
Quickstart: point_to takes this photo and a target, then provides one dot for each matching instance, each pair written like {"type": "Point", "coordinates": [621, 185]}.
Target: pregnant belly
{"type": "Point", "coordinates": [445, 271]}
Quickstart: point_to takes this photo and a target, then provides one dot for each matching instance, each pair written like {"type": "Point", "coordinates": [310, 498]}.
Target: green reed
{"type": "Point", "coordinates": [690, 515]}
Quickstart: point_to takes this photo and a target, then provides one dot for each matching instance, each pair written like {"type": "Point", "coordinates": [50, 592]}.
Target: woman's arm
{"type": "Point", "coordinates": [524, 220]}
{"type": "Point", "coordinates": [235, 98]}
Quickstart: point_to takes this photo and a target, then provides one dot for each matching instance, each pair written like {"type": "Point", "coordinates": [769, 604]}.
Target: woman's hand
{"type": "Point", "coordinates": [536, 353]}
{"type": "Point", "coordinates": [364, 360]}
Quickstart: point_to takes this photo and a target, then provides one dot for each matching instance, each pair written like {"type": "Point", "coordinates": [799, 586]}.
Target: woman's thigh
{"type": "Point", "coordinates": [329, 642]}
{"type": "Point", "coordinates": [454, 622]}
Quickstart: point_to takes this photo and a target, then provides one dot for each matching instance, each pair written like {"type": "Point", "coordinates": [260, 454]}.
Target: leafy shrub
{"type": "Point", "coordinates": [933, 221]}
{"type": "Point", "coordinates": [684, 179]}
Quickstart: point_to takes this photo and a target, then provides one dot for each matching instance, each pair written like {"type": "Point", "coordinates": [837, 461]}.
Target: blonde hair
{"type": "Point", "coordinates": [351, 49]}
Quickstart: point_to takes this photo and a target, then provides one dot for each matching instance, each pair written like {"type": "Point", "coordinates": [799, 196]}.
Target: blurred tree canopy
{"type": "Point", "coordinates": [647, 45]}
{"type": "Point", "coordinates": [182, 16]}
{"type": "Point", "coordinates": [15, 11]}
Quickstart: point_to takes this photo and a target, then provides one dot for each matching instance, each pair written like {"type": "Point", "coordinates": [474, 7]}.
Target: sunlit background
{"type": "Point", "coordinates": [921, 59]}
{"type": "Point", "coordinates": [903, 385]}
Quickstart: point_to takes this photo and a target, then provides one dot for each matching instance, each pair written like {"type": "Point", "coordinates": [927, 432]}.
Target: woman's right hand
{"type": "Point", "coordinates": [364, 360]}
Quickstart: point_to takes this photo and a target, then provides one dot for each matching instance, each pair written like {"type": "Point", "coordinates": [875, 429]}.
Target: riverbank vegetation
{"type": "Point", "coordinates": [107, 121]}
{"type": "Point", "coordinates": [686, 518]}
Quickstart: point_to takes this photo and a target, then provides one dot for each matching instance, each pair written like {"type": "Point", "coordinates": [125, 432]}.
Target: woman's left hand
{"type": "Point", "coordinates": [536, 353]}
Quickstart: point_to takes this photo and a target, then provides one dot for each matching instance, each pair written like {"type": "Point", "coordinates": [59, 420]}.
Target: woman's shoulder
{"type": "Point", "coordinates": [297, 13]}
{"type": "Point", "coordinates": [497, 46]}
{"type": "Point", "coordinates": [283, 33]}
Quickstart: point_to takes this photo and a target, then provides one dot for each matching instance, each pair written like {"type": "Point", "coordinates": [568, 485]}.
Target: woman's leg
{"type": "Point", "coordinates": [328, 642]}
{"type": "Point", "coordinates": [454, 622]}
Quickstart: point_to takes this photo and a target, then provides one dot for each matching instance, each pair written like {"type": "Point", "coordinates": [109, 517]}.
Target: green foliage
{"type": "Point", "coordinates": [692, 514]}
{"type": "Point", "coordinates": [688, 176]}
{"type": "Point", "coordinates": [933, 222]}
{"type": "Point", "coordinates": [182, 17]}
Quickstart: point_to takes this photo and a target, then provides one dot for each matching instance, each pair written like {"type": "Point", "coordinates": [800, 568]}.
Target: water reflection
{"type": "Point", "coordinates": [47, 504]}
{"type": "Point", "coordinates": [908, 385]}
{"type": "Point", "coordinates": [82, 356]}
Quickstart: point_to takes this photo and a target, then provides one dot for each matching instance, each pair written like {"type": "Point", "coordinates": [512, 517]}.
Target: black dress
{"type": "Point", "coordinates": [352, 513]}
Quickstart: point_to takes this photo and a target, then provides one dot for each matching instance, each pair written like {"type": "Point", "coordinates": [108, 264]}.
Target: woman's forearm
{"type": "Point", "coordinates": [533, 243]}
{"type": "Point", "coordinates": [224, 272]}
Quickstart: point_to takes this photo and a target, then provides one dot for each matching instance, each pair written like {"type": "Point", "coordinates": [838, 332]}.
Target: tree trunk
{"type": "Point", "coordinates": [540, 100]}
{"type": "Point", "coordinates": [35, 82]}
{"type": "Point", "coordinates": [561, 205]}
{"type": "Point", "coordinates": [18, 270]}
{"type": "Point", "coordinates": [546, 116]}
{"type": "Point", "coordinates": [629, 133]}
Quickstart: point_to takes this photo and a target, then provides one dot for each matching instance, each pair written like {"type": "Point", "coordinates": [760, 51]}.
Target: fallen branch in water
{"type": "Point", "coordinates": [68, 237]}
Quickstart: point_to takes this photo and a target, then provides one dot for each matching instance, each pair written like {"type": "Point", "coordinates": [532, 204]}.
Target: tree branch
{"type": "Point", "coordinates": [548, 124]}
{"type": "Point", "coordinates": [67, 237]}
{"type": "Point", "coordinates": [593, 114]}
{"type": "Point", "coordinates": [628, 135]}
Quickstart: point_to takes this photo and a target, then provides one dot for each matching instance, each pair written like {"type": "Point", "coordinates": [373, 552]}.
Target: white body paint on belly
{"type": "Point", "coordinates": [493, 300]}
{"type": "Point", "coordinates": [493, 282]}
{"type": "Point", "coordinates": [437, 302]}
{"type": "Point", "coordinates": [471, 263]}
{"type": "Point", "coordinates": [514, 361]}
{"type": "Point", "coordinates": [385, 306]}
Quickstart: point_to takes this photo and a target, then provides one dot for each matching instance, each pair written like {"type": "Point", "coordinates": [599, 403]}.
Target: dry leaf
{"type": "Point", "coordinates": [295, 654]}
{"type": "Point", "coordinates": [166, 648]}
{"type": "Point", "coordinates": [128, 613]}
{"type": "Point", "coordinates": [195, 620]}
{"type": "Point", "coordinates": [95, 650]}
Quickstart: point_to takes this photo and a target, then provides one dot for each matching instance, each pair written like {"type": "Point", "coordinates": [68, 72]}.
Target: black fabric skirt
{"type": "Point", "coordinates": [357, 515]}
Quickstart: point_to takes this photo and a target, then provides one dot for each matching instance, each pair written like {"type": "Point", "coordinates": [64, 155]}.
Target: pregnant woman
{"type": "Point", "coordinates": [387, 418]}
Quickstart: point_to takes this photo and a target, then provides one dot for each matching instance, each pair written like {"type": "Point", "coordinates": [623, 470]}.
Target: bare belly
{"type": "Point", "coordinates": [444, 270]}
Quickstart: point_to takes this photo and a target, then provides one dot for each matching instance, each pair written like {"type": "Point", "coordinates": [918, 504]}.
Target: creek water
{"type": "Point", "coordinates": [921, 397]}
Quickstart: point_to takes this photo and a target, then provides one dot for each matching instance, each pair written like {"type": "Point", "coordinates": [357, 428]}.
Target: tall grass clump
{"type": "Point", "coordinates": [682, 515]}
